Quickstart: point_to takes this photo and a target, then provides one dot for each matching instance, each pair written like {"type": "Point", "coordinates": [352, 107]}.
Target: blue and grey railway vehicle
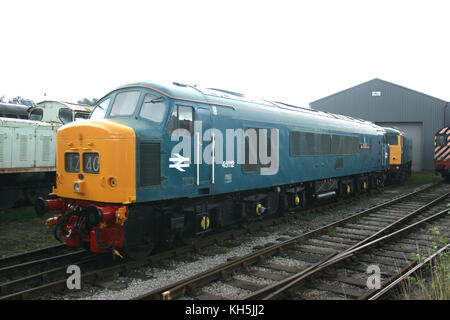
{"type": "Point", "coordinates": [157, 162]}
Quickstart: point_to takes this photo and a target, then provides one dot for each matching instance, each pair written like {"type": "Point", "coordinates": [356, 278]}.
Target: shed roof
{"type": "Point", "coordinates": [375, 80]}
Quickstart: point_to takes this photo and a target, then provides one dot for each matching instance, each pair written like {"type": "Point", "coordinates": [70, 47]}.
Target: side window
{"type": "Point", "coordinates": [153, 108]}
{"type": "Point", "coordinates": [338, 144]}
{"type": "Point", "coordinates": [312, 144]}
{"type": "Point", "coordinates": [186, 118]}
{"type": "Point", "coordinates": [65, 115]}
{"type": "Point", "coordinates": [251, 154]}
{"type": "Point", "coordinates": [252, 143]}
{"type": "Point", "coordinates": [36, 114]}
{"type": "Point", "coordinates": [125, 103]}
{"type": "Point", "coordinates": [323, 142]}
{"type": "Point", "coordinates": [80, 115]}
{"type": "Point", "coordinates": [100, 110]}
{"type": "Point", "coordinates": [182, 118]}
{"type": "Point", "coordinates": [173, 123]}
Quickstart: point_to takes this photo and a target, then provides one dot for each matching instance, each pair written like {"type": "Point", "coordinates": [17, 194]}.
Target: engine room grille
{"type": "Point", "coordinates": [23, 149]}
{"type": "Point", "coordinates": [150, 169]}
{"type": "Point", "coordinates": [46, 141]}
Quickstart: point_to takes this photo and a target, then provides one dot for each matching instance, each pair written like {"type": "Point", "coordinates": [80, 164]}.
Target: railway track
{"type": "Point", "coordinates": [338, 254]}
{"type": "Point", "coordinates": [37, 267]}
{"type": "Point", "coordinates": [47, 276]}
{"type": "Point", "coordinates": [346, 275]}
{"type": "Point", "coordinates": [27, 256]}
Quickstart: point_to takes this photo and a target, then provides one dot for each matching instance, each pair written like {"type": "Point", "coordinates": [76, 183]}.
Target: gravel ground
{"type": "Point", "coordinates": [150, 278]}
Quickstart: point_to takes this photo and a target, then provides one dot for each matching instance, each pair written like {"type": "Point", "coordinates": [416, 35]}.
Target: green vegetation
{"type": "Point", "coordinates": [223, 250]}
{"type": "Point", "coordinates": [21, 230]}
{"type": "Point", "coordinates": [423, 177]}
{"type": "Point", "coordinates": [16, 215]}
{"type": "Point", "coordinates": [433, 283]}
{"type": "Point", "coordinates": [331, 231]}
{"type": "Point", "coordinates": [88, 102]}
{"type": "Point", "coordinates": [115, 276]}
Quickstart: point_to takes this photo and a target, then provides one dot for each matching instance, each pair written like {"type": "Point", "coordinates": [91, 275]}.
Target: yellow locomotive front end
{"type": "Point", "coordinates": [96, 161]}
{"type": "Point", "coordinates": [395, 149]}
{"type": "Point", "coordinates": [95, 183]}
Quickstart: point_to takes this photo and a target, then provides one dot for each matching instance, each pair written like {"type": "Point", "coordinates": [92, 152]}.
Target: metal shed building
{"type": "Point", "coordinates": [387, 104]}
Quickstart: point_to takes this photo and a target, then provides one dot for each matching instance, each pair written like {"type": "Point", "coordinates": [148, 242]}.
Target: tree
{"type": "Point", "coordinates": [88, 102]}
{"type": "Point", "coordinates": [20, 100]}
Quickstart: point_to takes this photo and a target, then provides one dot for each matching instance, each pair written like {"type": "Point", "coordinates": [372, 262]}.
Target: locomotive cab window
{"type": "Point", "coordinates": [182, 118]}
{"type": "Point", "coordinates": [125, 103]}
{"type": "Point", "coordinates": [36, 114]}
{"type": "Point", "coordinates": [441, 140]}
{"type": "Point", "coordinates": [153, 108]}
{"type": "Point", "coordinates": [392, 139]}
{"type": "Point", "coordinates": [100, 110]}
{"type": "Point", "coordinates": [81, 116]}
{"type": "Point", "coordinates": [65, 115]}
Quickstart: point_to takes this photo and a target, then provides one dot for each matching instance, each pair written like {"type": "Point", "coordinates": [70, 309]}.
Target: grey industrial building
{"type": "Point", "coordinates": [387, 104]}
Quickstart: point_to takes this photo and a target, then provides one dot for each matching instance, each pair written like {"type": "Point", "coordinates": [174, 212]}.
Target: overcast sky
{"type": "Point", "coordinates": [291, 51]}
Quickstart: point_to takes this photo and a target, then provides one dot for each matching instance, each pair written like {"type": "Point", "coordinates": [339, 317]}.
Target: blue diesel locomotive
{"type": "Point", "coordinates": [156, 162]}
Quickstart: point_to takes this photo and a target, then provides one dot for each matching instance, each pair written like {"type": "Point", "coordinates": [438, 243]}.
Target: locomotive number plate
{"type": "Point", "coordinates": [91, 162]}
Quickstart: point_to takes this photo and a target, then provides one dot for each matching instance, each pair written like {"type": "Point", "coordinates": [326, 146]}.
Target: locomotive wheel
{"type": "Point", "coordinates": [33, 194]}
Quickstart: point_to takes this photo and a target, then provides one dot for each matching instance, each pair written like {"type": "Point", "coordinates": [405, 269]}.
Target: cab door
{"type": "Point", "coordinates": [181, 169]}
{"type": "Point", "coordinates": [204, 171]}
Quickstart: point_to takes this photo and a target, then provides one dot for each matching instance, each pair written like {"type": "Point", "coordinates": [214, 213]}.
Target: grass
{"type": "Point", "coordinates": [222, 250]}
{"type": "Point", "coordinates": [17, 215]}
{"type": "Point", "coordinates": [331, 231]}
{"type": "Point", "coordinates": [423, 177]}
{"type": "Point", "coordinates": [433, 283]}
{"type": "Point", "coordinates": [21, 230]}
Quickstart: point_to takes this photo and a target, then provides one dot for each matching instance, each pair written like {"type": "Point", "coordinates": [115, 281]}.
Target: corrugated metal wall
{"type": "Point", "coordinates": [381, 101]}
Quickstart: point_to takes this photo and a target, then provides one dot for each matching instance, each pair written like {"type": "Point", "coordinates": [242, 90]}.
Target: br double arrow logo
{"type": "Point", "coordinates": [179, 162]}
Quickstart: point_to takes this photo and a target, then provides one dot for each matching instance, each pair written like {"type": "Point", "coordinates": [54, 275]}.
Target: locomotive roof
{"type": "Point", "coordinates": [392, 130]}
{"type": "Point", "coordinates": [235, 100]}
{"type": "Point", "coordinates": [13, 108]}
{"type": "Point", "coordinates": [72, 106]}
